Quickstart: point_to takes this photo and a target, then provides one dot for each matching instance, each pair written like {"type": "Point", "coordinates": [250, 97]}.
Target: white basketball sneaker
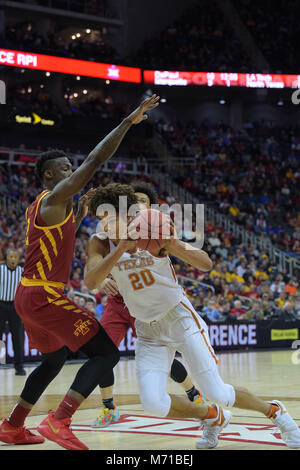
{"type": "Point", "coordinates": [290, 432]}
{"type": "Point", "coordinates": [212, 428]}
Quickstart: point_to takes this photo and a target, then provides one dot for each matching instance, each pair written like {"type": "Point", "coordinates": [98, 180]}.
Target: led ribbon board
{"type": "Point", "coordinates": [29, 60]}
{"type": "Point", "coordinates": [247, 80]}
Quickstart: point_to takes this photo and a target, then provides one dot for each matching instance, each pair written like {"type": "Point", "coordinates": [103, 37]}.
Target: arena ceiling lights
{"type": "Point", "coordinates": [29, 60]}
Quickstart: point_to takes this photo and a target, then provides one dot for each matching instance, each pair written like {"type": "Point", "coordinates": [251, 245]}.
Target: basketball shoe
{"type": "Point", "coordinates": [11, 435]}
{"type": "Point", "coordinates": [212, 428]}
{"type": "Point", "coordinates": [199, 398]}
{"type": "Point", "coordinates": [289, 430]}
{"type": "Point", "coordinates": [58, 430]}
{"type": "Point", "coordinates": [106, 417]}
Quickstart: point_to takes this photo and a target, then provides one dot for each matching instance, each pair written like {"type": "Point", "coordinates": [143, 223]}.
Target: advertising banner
{"type": "Point", "coordinates": [228, 79]}
{"type": "Point", "coordinates": [224, 336]}
{"type": "Point", "coordinates": [30, 60]}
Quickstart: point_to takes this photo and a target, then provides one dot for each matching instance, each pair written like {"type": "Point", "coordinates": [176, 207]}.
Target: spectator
{"type": "Point", "coordinates": [292, 286]}
{"type": "Point", "coordinates": [211, 312]}
{"type": "Point", "coordinates": [90, 306]}
{"type": "Point", "coordinates": [255, 313]}
{"type": "Point", "coordinates": [76, 282]}
{"type": "Point", "coordinates": [289, 312]}
{"type": "Point", "coordinates": [237, 311]}
{"type": "Point", "coordinates": [100, 307]}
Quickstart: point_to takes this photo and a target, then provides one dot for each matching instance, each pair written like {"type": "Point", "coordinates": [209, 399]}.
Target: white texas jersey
{"type": "Point", "coordinates": [148, 284]}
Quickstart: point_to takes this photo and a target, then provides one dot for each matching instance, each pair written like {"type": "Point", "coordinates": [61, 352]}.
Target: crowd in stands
{"type": "Point", "coordinates": [102, 106]}
{"type": "Point", "coordinates": [35, 97]}
{"type": "Point", "coordinates": [274, 26]}
{"type": "Point", "coordinates": [243, 284]}
{"type": "Point", "coordinates": [251, 175]}
{"type": "Point", "coordinates": [201, 39]}
{"type": "Point", "coordinates": [29, 36]}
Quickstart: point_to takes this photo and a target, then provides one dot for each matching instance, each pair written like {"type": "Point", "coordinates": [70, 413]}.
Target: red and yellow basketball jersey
{"type": "Point", "coordinates": [49, 250]}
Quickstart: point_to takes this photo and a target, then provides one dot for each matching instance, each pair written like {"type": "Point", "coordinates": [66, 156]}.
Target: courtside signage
{"type": "Point", "coordinates": [29, 60]}
{"type": "Point", "coordinates": [228, 79]}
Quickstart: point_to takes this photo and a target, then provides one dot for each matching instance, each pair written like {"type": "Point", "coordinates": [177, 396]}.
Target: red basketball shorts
{"type": "Point", "coordinates": [52, 320]}
{"type": "Point", "coordinates": [116, 319]}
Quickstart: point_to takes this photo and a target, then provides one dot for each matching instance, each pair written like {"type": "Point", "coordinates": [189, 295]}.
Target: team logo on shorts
{"type": "Point", "coordinates": [82, 327]}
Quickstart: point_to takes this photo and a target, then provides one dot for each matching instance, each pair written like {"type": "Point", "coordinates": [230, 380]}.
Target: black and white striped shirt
{"type": "Point", "coordinates": [9, 280]}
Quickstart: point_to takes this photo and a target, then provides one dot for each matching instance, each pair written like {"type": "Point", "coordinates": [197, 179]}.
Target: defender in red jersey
{"type": "Point", "coordinates": [42, 287]}
{"type": "Point", "coordinates": [52, 321]}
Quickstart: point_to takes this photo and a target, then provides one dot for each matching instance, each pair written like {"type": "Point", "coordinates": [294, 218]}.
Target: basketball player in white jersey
{"type": "Point", "coordinates": [166, 322]}
{"type": "Point", "coordinates": [116, 320]}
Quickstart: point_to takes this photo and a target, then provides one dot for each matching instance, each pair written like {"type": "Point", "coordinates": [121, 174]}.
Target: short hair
{"type": "Point", "coordinates": [110, 194]}
{"type": "Point", "coordinates": [41, 164]}
{"type": "Point", "coordinates": [11, 250]}
{"type": "Point", "coordinates": [148, 189]}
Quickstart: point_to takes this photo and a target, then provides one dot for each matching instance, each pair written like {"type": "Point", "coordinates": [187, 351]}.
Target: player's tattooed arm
{"type": "Point", "coordinates": [108, 146]}
{"type": "Point", "coordinates": [67, 188]}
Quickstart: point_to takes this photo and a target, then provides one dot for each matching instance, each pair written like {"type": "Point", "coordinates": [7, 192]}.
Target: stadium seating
{"type": "Point", "coordinates": [239, 274]}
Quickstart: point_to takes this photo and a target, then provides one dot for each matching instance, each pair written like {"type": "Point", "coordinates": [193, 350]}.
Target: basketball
{"type": "Point", "coordinates": [153, 228]}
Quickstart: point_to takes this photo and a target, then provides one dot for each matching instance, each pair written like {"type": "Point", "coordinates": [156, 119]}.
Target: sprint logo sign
{"type": "Point", "coordinates": [34, 119]}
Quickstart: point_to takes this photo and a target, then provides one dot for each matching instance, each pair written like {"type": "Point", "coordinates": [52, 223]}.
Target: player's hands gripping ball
{"type": "Point", "coordinates": [152, 229]}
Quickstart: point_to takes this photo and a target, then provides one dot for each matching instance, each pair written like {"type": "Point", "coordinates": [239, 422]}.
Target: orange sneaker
{"type": "Point", "coordinates": [212, 427]}
{"type": "Point", "coordinates": [11, 435]}
{"type": "Point", "coordinates": [58, 430]}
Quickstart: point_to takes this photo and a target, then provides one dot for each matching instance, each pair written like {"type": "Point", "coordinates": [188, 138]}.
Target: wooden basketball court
{"type": "Point", "coordinates": [269, 374]}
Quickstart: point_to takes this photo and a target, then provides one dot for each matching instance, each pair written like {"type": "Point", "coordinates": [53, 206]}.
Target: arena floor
{"type": "Point", "coordinates": [269, 374]}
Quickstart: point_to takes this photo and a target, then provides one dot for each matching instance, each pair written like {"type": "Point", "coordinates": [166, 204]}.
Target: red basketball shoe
{"type": "Point", "coordinates": [58, 430]}
{"type": "Point", "coordinates": [21, 435]}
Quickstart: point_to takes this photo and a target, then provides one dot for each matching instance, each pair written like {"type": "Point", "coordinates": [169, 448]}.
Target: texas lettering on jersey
{"type": "Point", "coordinates": [135, 263]}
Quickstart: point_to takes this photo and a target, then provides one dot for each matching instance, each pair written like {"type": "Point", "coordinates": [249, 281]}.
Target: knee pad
{"type": "Point", "coordinates": [53, 362]}
{"type": "Point", "coordinates": [178, 372]}
{"type": "Point", "coordinates": [107, 380]}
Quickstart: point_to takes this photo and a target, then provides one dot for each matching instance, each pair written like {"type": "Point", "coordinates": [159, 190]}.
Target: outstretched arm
{"type": "Point", "coordinates": [67, 188]}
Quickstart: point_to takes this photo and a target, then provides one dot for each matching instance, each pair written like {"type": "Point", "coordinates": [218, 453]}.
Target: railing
{"type": "Point", "coordinates": [201, 284]}
{"type": "Point", "coordinates": [140, 166]}
{"type": "Point", "coordinates": [262, 242]}
{"type": "Point", "coordinates": [6, 201]}
{"type": "Point", "coordinates": [151, 169]}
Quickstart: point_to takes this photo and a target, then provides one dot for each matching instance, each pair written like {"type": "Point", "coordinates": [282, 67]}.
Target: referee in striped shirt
{"type": "Point", "coordinates": [10, 276]}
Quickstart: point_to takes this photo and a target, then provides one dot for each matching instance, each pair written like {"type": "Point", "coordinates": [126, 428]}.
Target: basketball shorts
{"type": "Point", "coordinates": [182, 330]}
{"type": "Point", "coordinates": [116, 320]}
{"type": "Point", "coordinates": [52, 320]}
